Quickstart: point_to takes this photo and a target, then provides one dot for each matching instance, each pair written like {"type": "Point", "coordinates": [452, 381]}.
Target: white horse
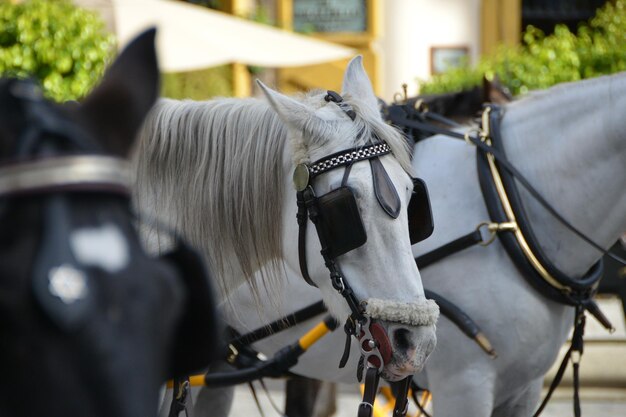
{"type": "Point", "coordinates": [570, 142]}
{"type": "Point", "coordinates": [220, 173]}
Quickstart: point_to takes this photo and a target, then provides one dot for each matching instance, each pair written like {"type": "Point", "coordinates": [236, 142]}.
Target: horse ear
{"type": "Point", "coordinates": [115, 110]}
{"type": "Point", "coordinates": [295, 114]}
{"type": "Point", "coordinates": [357, 84]}
{"type": "Point", "coordinates": [495, 92]}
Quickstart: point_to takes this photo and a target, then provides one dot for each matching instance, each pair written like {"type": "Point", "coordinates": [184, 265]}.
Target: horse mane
{"type": "Point", "coordinates": [369, 127]}
{"type": "Point", "coordinates": [214, 171]}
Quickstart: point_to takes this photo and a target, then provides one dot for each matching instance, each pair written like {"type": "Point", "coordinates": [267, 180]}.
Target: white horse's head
{"type": "Point", "coordinates": [381, 271]}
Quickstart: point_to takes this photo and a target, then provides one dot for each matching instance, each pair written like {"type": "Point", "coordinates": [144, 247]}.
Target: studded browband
{"type": "Point", "coordinates": [304, 174]}
{"type": "Point", "coordinates": [68, 173]}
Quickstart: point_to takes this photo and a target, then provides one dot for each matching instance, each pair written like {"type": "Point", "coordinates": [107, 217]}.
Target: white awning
{"type": "Point", "coordinates": [191, 37]}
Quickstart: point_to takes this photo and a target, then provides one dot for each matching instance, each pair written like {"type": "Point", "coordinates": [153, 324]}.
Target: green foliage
{"type": "Point", "coordinates": [597, 48]}
{"type": "Point", "coordinates": [66, 48]}
{"type": "Point", "coordinates": [211, 82]}
{"type": "Point", "coordinates": [202, 84]}
{"type": "Point", "coordinates": [199, 85]}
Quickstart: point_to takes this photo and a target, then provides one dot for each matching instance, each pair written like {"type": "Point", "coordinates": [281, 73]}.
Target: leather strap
{"type": "Point", "coordinates": [402, 393]}
{"type": "Point", "coordinates": [414, 389]}
{"type": "Point", "coordinates": [510, 176]}
{"type": "Point", "coordinates": [303, 221]}
{"type": "Point", "coordinates": [384, 189]}
{"type": "Point", "coordinates": [511, 245]}
{"type": "Point", "coordinates": [576, 346]}
{"type": "Point", "coordinates": [403, 121]}
{"type": "Point", "coordinates": [372, 378]}
{"type": "Point", "coordinates": [68, 173]}
{"type": "Point", "coordinates": [179, 397]}
{"type": "Point", "coordinates": [282, 323]}
{"type": "Point", "coordinates": [448, 249]}
{"type": "Point", "coordinates": [462, 320]}
{"type": "Point", "coordinates": [308, 204]}
{"type": "Point", "coordinates": [349, 329]}
{"type": "Point", "coordinates": [347, 157]}
{"type": "Point", "coordinates": [337, 99]}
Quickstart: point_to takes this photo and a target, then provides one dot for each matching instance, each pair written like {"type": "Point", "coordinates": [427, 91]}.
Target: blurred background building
{"type": "Point", "coordinates": [402, 41]}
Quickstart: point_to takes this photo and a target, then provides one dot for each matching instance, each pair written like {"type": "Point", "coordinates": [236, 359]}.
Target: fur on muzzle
{"type": "Point", "coordinates": [424, 313]}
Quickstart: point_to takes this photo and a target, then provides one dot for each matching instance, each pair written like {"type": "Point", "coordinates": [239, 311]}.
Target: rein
{"type": "Point", "coordinates": [403, 121]}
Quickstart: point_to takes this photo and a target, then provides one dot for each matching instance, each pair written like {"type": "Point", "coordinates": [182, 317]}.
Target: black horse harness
{"type": "Point", "coordinates": [497, 177]}
{"type": "Point", "coordinates": [62, 286]}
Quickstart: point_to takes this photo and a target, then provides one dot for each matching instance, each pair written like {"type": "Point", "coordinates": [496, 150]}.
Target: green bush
{"type": "Point", "coordinates": [65, 47]}
{"type": "Point", "coordinates": [597, 48]}
{"type": "Point", "coordinates": [199, 85]}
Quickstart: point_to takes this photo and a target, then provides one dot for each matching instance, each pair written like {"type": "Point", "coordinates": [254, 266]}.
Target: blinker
{"type": "Point", "coordinates": [301, 177]}
{"type": "Point", "coordinates": [419, 212]}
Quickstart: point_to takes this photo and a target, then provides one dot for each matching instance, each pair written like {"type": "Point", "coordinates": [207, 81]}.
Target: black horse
{"type": "Point", "coordinates": [89, 324]}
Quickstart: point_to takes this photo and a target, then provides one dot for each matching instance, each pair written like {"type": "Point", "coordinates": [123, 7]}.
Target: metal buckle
{"type": "Point", "coordinates": [466, 135]}
{"type": "Point", "coordinates": [493, 229]}
{"type": "Point", "coordinates": [338, 283]}
{"type": "Point", "coordinates": [365, 403]}
{"type": "Point", "coordinates": [232, 355]}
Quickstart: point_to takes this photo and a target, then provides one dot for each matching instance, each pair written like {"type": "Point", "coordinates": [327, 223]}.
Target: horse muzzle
{"type": "Point", "coordinates": [405, 335]}
{"type": "Point", "coordinates": [411, 346]}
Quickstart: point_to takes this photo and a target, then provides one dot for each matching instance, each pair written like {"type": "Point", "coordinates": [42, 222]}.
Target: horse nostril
{"type": "Point", "coordinates": [402, 339]}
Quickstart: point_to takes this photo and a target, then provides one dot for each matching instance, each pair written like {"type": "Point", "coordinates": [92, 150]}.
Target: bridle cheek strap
{"type": "Point", "coordinates": [302, 218]}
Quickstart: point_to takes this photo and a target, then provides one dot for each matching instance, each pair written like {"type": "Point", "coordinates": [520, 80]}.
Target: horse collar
{"type": "Point", "coordinates": [503, 202]}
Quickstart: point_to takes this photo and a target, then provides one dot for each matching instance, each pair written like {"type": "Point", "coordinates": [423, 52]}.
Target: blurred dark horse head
{"type": "Point", "coordinates": [462, 106]}
{"type": "Point", "coordinates": [90, 325]}
{"type": "Point", "coordinates": [459, 107]}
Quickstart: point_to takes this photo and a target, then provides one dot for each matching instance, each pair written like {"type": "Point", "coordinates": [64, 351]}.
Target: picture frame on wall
{"type": "Point", "coordinates": [443, 58]}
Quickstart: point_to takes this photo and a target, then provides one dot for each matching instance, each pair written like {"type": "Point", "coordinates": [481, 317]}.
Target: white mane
{"type": "Point", "coordinates": [214, 171]}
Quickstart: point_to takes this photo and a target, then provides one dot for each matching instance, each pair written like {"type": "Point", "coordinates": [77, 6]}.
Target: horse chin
{"type": "Point", "coordinates": [391, 376]}
{"type": "Point", "coordinates": [411, 360]}
{"type": "Point", "coordinates": [394, 372]}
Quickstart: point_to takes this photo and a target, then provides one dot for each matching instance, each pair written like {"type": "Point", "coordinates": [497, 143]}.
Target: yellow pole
{"type": "Point", "coordinates": [313, 335]}
{"type": "Point", "coordinates": [305, 342]}
{"type": "Point", "coordinates": [194, 381]}
{"type": "Point", "coordinates": [242, 82]}
{"type": "Point", "coordinates": [501, 23]}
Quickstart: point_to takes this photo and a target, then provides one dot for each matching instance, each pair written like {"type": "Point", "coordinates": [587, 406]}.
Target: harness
{"type": "Point", "coordinates": [62, 286]}
{"type": "Point", "coordinates": [504, 206]}
{"type": "Point", "coordinates": [497, 177]}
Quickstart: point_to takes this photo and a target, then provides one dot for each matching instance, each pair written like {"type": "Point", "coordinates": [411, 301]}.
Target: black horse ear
{"type": "Point", "coordinates": [495, 92]}
{"type": "Point", "coordinates": [116, 108]}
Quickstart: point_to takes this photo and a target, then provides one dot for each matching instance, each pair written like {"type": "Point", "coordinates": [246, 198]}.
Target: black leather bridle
{"type": "Point", "coordinates": [309, 208]}
{"type": "Point", "coordinates": [60, 285]}
{"type": "Point", "coordinates": [345, 234]}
